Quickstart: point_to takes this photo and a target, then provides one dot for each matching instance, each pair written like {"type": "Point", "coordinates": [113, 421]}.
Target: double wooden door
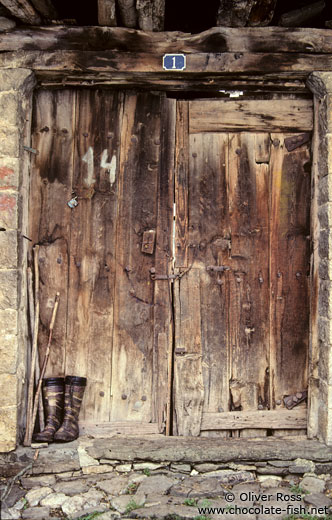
{"type": "Point", "coordinates": [184, 267]}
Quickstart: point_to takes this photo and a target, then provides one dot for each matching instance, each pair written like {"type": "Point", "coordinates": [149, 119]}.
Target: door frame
{"type": "Point", "coordinates": [21, 82]}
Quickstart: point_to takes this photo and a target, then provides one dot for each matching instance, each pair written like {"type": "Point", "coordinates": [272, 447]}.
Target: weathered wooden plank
{"type": "Point", "coordinates": [264, 84]}
{"type": "Point", "coordinates": [107, 13]}
{"type": "Point", "coordinates": [262, 148]}
{"type": "Point", "coordinates": [248, 278]}
{"type": "Point", "coordinates": [92, 246]}
{"type": "Point", "coordinates": [133, 334]}
{"type": "Point", "coordinates": [53, 270]}
{"type": "Point", "coordinates": [158, 15]}
{"type": "Point", "coordinates": [188, 377]}
{"type": "Point", "coordinates": [210, 240]}
{"type": "Point", "coordinates": [203, 450]}
{"type": "Point", "coordinates": [289, 268]}
{"type": "Point", "coordinates": [163, 314]}
{"type": "Point", "coordinates": [50, 188]}
{"type": "Point", "coordinates": [23, 10]}
{"type": "Point", "coordinates": [181, 182]}
{"type": "Point", "coordinates": [109, 429]}
{"type": "Point", "coordinates": [218, 63]}
{"type": "Point", "coordinates": [221, 39]}
{"type": "Point", "coordinates": [256, 419]}
{"type": "Point", "coordinates": [260, 115]}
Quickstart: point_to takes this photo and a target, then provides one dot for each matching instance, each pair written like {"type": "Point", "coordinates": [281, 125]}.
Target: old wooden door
{"type": "Point", "coordinates": [183, 268]}
{"type": "Point", "coordinates": [242, 258]}
{"type": "Point", "coordinates": [109, 152]}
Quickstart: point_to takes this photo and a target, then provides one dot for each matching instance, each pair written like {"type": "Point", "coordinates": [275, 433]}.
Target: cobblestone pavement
{"type": "Point", "coordinates": [152, 490]}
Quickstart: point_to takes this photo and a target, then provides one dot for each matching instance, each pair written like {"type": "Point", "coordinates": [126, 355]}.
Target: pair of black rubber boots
{"type": "Point", "coordinates": [62, 398]}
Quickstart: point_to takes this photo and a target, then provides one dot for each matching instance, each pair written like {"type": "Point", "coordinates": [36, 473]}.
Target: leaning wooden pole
{"type": "Point", "coordinates": [37, 370]}
{"type": "Point", "coordinates": [47, 355]}
{"type": "Point", "coordinates": [28, 431]}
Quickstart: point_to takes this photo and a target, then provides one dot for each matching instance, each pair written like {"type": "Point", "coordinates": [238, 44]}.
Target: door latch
{"type": "Point", "coordinates": [217, 268]}
{"type": "Point", "coordinates": [155, 276]}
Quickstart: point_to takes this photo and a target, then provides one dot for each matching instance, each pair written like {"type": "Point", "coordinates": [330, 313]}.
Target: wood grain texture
{"type": "Point", "coordinates": [289, 229]}
{"type": "Point", "coordinates": [181, 182]}
{"type": "Point", "coordinates": [51, 186]}
{"type": "Point", "coordinates": [256, 420]}
{"type": "Point", "coordinates": [133, 336]}
{"type": "Point", "coordinates": [248, 278]}
{"type": "Point", "coordinates": [92, 245]}
{"type": "Point", "coordinates": [217, 39]}
{"type": "Point", "coordinates": [188, 374]}
{"type": "Point", "coordinates": [107, 13]}
{"type": "Point", "coordinates": [210, 245]}
{"type": "Point", "coordinates": [256, 115]}
{"type": "Point", "coordinates": [163, 311]}
{"type": "Point", "coordinates": [46, 8]}
{"type": "Point", "coordinates": [65, 61]}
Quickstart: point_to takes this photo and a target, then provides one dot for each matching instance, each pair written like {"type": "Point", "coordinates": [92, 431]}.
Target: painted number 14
{"type": "Point", "coordinates": [109, 166]}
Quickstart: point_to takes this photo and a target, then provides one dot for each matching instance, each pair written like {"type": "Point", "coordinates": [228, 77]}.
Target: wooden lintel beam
{"type": "Point", "coordinates": [295, 419]}
{"type": "Point", "coordinates": [144, 63]}
{"type": "Point", "coordinates": [23, 10]}
{"type": "Point", "coordinates": [216, 40]}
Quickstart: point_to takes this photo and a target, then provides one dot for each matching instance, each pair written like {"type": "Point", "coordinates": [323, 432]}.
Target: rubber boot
{"type": "Point", "coordinates": [74, 390]}
{"type": "Point", "coordinates": [53, 389]}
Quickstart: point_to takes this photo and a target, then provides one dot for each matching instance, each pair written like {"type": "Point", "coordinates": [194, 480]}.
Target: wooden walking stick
{"type": "Point", "coordinates": [47, 355]}
{"type": "Point", "coordinates": [37, 370]}
{"type": "Point", "coordinates": [28, 431]}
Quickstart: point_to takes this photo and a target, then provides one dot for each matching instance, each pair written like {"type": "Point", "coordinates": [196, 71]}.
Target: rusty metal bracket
{"type": "Point", "coordinates": [155, 276]}
{"type": "Point", "coordinates": [217, 268]}
{"type": "Point", "coordinates": [292, 143]}
{"type": "Point", "coordinates": [293, 400]}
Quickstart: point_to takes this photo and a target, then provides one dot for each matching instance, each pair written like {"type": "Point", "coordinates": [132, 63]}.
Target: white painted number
{"type": "Point", "coordinates": [88, 158]}
{"type": "Point", "coordinates": [110, 167]}
{"type": "Point", "coordinates": [174, 62]}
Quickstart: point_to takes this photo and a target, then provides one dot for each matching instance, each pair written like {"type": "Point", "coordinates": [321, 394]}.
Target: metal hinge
{"type": "Point", "coordinates": [292, 143]}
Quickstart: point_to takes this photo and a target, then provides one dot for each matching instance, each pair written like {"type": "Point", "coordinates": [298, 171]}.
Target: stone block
{"type": "Point", "coordinates": [325, 215]}
{"type": "Point", "coordinates": [8, 354]}
{"type": "Point", "coordinates": [8, 289]}
{"type": "Point", "coordinates": [9, 172]}
{"type": "Point", "coordinates": [8, 322]}
{"type": "Point", "coordinates": [325, 299]}
{"type": "Point", "coordinates": [8, 421]}
{"type": "Point", "coordinates": [34, 496]}
{"type": "Point", "coordinates": [325, 244]}
{"type": "Point", "coordinates": [8, 249]}
{"type": "Point", "coordinates": [9, 140]}
{"type": "Point", "coordinates": [325, 190]}
{"type": "Point", "coordinates": [10, 109]}
{"type": "Point", "coordinates": [8, 210]}
{"type": "Point", "coordinates": [22, 80]}
{"type": "Point", "coordinates": [325, 269]}
{"type": "Point", "coordinates": [8, 390]}
{"type": "Point", "coordinates": [325, 362]}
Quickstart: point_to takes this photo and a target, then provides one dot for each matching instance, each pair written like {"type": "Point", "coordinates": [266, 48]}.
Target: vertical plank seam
{"type": "Point", "coordinates": [117, 225]}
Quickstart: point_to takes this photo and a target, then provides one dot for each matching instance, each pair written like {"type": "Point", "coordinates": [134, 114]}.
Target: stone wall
{"type": "Point", "coordinates": [15, 110]}
{"type": "Point", "coordinates": [321, 352]}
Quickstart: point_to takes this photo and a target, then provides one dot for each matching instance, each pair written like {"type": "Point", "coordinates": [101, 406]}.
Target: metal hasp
{"type": "Point", "coordinates": [218, 268]}
{"type": "Point", "coordinates": [149, 238]}
{"type": "Point", "coordinates": [292, 143]}
{"type": "Point", "coordinates": [293, 400]}
{"type": "Point", "coordinates": [155, 276]}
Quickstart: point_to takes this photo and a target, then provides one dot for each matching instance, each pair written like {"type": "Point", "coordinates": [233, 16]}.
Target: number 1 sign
{"type": "Point", "coordinates": [174, 61]}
